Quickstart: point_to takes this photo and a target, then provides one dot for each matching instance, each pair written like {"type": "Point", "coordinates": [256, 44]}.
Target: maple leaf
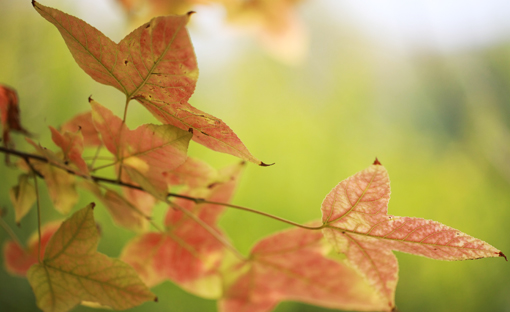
{"type": "Point", "coordinates": [71, 144]}
{"type": "Point", "coordinates": [292, 265]}
{"type": "Point", "coordinates": [356, 223]}
{"type": "Point", "coordinates": [83, 123]}
{"type": "Point", "coordinates": [73, 271]}
{"type": "Point", "coordinates": [145, 152]}
{"type": "Point", "coordinates": [155, 65]}
{"type": "Point", "coordinates": [19, 259]}
{"type": "Point", "coordinates": [23, 196]}
{"type": "Point", "coordinates": [9, 113]}
{"type": "Point", "coordinates": [185, 253]}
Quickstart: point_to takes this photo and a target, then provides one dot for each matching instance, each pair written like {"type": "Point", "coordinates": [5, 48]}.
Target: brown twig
{"type": "Point", "coordinates": [196, 200]}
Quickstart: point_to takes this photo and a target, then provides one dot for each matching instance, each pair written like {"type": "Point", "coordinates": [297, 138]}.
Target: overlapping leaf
{"type": "Point", "coordinates": [356, 222]}
{"type": "Point", "coordinates": [83, 123]}
{"type": "Point", "coordinates": [23, 196]}
{"type": "Point", "coordinates": [193, 173]}
{"type": "Point", "coordinates": [18, 259]}
{"type": "Point", "coordinates": [291, 265]}
{"type": "Point", "coordinates": [73, 271]}
{"type": "Point", "coordinates": [185, 253]}
{"type": "Point", "coordinates": [71, 144]}
{"type": "Point", "coordinates": [155, 65]}
{"type": "Point", "coordinates": [146, 152]}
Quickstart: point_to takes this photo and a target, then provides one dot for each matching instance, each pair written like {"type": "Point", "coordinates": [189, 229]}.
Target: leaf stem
{"type": "Point", "coordinates": [96, 156]}
{"type": "Point", "coordinates": [10, 232]}
{"type": "Point", "coordinates": [120, 137]}
{"type": "Point", "coordinates": [264, 214]}
{"type": "Point", "coordinates": [38, 218]}
{"type": "Point", "coordinates": [103, 166]}
{"type": "Point", "coordinates": [125, 110]}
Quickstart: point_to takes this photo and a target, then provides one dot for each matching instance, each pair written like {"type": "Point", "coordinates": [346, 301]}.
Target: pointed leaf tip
{"type": "Point", "coordinates": [33, 3]}
{"type": "Point", "coordinates": [262, 164]}
{"type": "Point", "coordinates": [377, 162]}
{"type": "Point", "coordinates": [190, 13]}
{"type": "Point", "coordinates": [501, 254]}
{"type": "Point", "coordinates": [90, 98]}
{"type": "Point", "coordinates": [92, 205]}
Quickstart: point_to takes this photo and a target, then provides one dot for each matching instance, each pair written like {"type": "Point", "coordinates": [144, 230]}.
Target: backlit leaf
{"type": "Point", "coordinates": [71, 144]}
{"type": "Point", "coordinates": [18, 260]}
{"type": "Point", "coordinates": [23, 196]}
{"type": "Point", "coordinates": [83, 123]}
{"type": "Point", "coordinates": [146, 152]}
{"type": "Point", "coordinates": [156, 65]}
{"type": "Point", "coordinates": [185, 253]}
{"type": "Point", "coordinates": [292, 265]}
{"type": "Point", "coordinates": [193, 172]}
{"type": "Point", "coordinates": [73, 271]}
{"type": "Point", "coordinates": [143, 201]}
{"type": "Point", "coordinates": [356, 223]}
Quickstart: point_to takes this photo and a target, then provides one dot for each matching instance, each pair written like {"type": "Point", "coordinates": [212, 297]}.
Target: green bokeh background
{"type": "Point", "coordinates": [439, 123]}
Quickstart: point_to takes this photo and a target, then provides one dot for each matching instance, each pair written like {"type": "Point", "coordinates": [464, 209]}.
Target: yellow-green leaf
{"type": "Point", "coordinates": [73, 271]}
{"type": "Point", "coordinates": [23, 196]}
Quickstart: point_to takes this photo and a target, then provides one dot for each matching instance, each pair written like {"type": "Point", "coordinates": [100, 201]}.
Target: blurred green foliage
{"type": "Point", "coordinates": [439, 123]}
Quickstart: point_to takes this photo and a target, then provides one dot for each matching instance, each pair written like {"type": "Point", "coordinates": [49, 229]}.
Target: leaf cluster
{"type": "Point", "coordinates": [344, 261]}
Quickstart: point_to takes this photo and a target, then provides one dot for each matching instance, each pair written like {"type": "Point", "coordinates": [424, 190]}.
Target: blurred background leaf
{"type": "Point", "coordinates": [424, 87]}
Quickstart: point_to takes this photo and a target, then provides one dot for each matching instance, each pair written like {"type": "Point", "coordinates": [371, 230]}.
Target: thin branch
{"type": "Point", "coordinates": [21, 154]}
{"type": "Point", "coordinates": [196, 200]}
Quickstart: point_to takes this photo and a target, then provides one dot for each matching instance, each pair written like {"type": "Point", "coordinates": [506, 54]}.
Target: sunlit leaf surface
{"type": "Point", "coordinates": [23, 196]}
{"type": "Point", "coordinates": [156, 65]}
{"type": "Point", "coordinates": [291, 265]}
{"type": "Point", "coordinates": [73, 271]}
{"type": "Point", "coordinates": [356, 222]}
